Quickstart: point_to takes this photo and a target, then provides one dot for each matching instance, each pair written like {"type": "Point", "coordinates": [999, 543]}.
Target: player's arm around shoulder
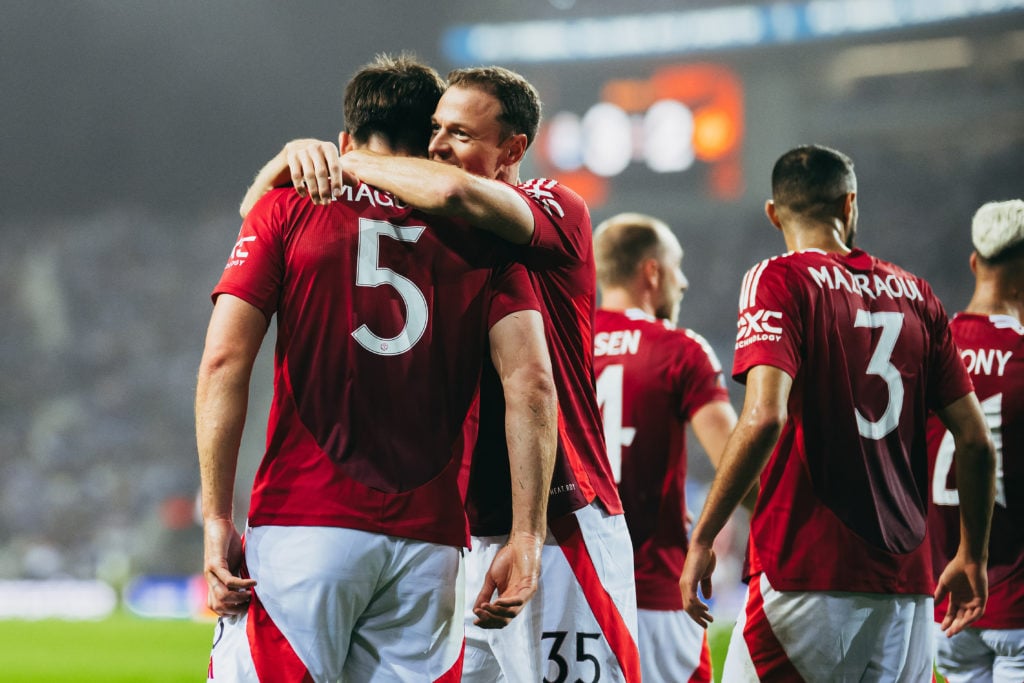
{"type": "Point", "coordinates": [307, 164]}
{"type": "Point", "coordinates": [520, 356]}
{"type": "Point", "coordinates": [965, 578]}
{"type": "Point", "coordinates": [443, 189]}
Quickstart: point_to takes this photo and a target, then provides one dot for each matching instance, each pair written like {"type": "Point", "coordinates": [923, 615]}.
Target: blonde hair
{"type": "Point", "coordinates": [998, 227]}
{"type": "Point", "coordinates": [623, 241]}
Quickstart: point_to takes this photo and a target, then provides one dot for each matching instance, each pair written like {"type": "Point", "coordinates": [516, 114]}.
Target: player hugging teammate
{"type": "Point", "coordinates": [436, 375]}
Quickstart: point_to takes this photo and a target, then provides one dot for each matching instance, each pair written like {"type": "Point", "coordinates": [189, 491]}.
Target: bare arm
{"type": "Point", "coordinates": [746, 452]}
{"type": "Point", "coordinates": [965, 578]}
{"type": "Point", "coordinates": [446, 190]}
{"type": "Point", "coordinates": [713, 424]}
{"type": "Point", "coordinates": [306, 163]}
{"type": "Point", "coordinates": [222, 392]}
{"type": "Point", "coordinates": [520, 356]}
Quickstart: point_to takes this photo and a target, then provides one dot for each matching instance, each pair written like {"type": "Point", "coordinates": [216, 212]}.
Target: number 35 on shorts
{"type": "Point", "coordinates": [562, 660]}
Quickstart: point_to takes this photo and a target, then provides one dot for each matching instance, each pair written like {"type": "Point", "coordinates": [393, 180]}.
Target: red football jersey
{"type": "Point", "coordinates": [382, 322]}
{"type": "Point", "coordinates": [651, 378]}
{"type": "Point", "coordinates": [560, 260]}
{"type": "Point", "coordinates": [992, 348]}
{"type": "Point", "coordinates": [843, 499]}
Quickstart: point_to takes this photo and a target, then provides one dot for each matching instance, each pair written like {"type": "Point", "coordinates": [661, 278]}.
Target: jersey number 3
{"type": "Point", "coordinates": [881, 364]}
{"type": "Point", "coordinates": [369, 273]}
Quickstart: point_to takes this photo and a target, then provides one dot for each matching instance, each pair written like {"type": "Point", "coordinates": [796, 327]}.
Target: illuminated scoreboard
{"type": "Point", "coordinates": [672, 108]}
{"type": "Point", "coordinates": [678, 118]}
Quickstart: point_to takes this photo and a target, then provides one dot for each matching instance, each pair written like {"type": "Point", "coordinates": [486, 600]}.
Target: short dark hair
{"type": "Point", "coordinates": [622, 243]}
{"type": "Point", "coordinates": [395, 98]}
{"type": "Point", "coordinates": [811, 180]}
{"type": "Point", "coordinates": [520, 103]}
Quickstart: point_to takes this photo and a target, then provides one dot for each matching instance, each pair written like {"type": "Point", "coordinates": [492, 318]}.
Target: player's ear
{"type": "Point", "coordinates": [849, 206]}
{"type": "Point", "coordinates": [515, 149]}
{"type": "Point", "coordinates": [769, 210]}
{"type": "Point", "coordinates": [974, 262]}
{"type": "Point", "coordinates": [344, 142]}
{"type": "Point", "coordinates": [650, 270]}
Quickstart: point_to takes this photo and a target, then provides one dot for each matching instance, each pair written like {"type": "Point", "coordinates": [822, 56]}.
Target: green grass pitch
{"type": "Point", "coordinates": [127, 649]}
{"type": "Point", "coordinates": [120, 649]}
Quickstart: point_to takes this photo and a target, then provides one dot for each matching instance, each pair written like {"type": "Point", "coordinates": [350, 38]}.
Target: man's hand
{"type": "Point", "coordinates": [228, 594]}
{"type": "Point", "coordinates": [315, 168]}
{"type": "Point", "coordinates": [966, 584]}
{"type": "Point", "coordinates": [515, 574]}
{"type": "Point", "coordinates": [700, 563]}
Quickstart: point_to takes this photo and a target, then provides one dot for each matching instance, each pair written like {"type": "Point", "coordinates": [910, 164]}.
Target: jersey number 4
{"type": "Point", "coordinates": [369, 273]}
{"type": "Point", "coordinates": [609, 400]}
{"type": "Point", "coordinates": [992, 407]}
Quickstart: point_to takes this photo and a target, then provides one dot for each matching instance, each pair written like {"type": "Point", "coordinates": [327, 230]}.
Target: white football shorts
{"type": "Point", "coordinates": [977, 655]}
{"type": "Point", "coordinates": [334, 604]}
{"type": "Point", "coordinates": [673, 648]}
{"type": "Point", "coordinates": [830, 636]}
{"type": "Point", "coordinates": [581, 623]}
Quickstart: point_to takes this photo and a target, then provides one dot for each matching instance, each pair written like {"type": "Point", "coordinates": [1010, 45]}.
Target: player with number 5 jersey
{"type": "Point", "coordinates": [413, 310]}
{"type": "Point", "coordinates": [582, 621]}
{"type": "Point", "coordinates": [353, 557]}
{"type": "Point", "coordinates": [990, 336]}
{"type": "Point", "coordinates": [843, 355]}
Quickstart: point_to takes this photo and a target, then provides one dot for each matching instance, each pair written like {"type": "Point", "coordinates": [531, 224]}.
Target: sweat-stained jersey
{"type": "Point", "coordinates": [992, 348]}
{"type": "Point", "coordinates": [843, 498]}
{"type": "Point", "coordinates": [382, 322]}
{"type": "Point", "coordinates": [560, 261]}
{"type": "Point", "coordinates": [651, 378]}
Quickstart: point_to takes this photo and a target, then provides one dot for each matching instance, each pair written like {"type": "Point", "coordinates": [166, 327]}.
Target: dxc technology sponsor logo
{"type": "Point", "coordinates": [755, 326]}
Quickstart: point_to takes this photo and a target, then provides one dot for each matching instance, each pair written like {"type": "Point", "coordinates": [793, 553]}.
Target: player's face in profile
{"type": "Point", "coordinates": [673, 285]}
{"type": "Point", "coordinates": [466, 131]}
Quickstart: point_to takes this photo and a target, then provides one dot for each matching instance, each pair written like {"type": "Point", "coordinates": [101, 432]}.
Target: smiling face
{"type": "Point", "coordinates": [467, 133]}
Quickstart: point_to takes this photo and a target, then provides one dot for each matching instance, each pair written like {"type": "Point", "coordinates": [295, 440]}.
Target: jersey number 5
{"type": "Point", "coordinates": [369, 273]}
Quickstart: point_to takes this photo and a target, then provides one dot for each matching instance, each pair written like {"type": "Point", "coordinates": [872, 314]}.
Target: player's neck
{"type": "Point", "coordinates": [620, 299]}
{"type": "Point", "coordinates": [994, 297]}
{"type": "Point", "coordinates": [801, 235]}
{"type": "Point", "coordinates": [508, 174]}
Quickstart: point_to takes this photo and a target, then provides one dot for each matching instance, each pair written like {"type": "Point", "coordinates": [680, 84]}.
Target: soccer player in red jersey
{"type": "Point", "coordinates": [653, 379]}
{"type": "Point", "coordinates": [990, 335]}
{"type": "Point", "coordinates": [352, 563]}
{"type": "Point", "coordinates": [843, 354]}
{"type": "Point", "coordinates": [582, 622]}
